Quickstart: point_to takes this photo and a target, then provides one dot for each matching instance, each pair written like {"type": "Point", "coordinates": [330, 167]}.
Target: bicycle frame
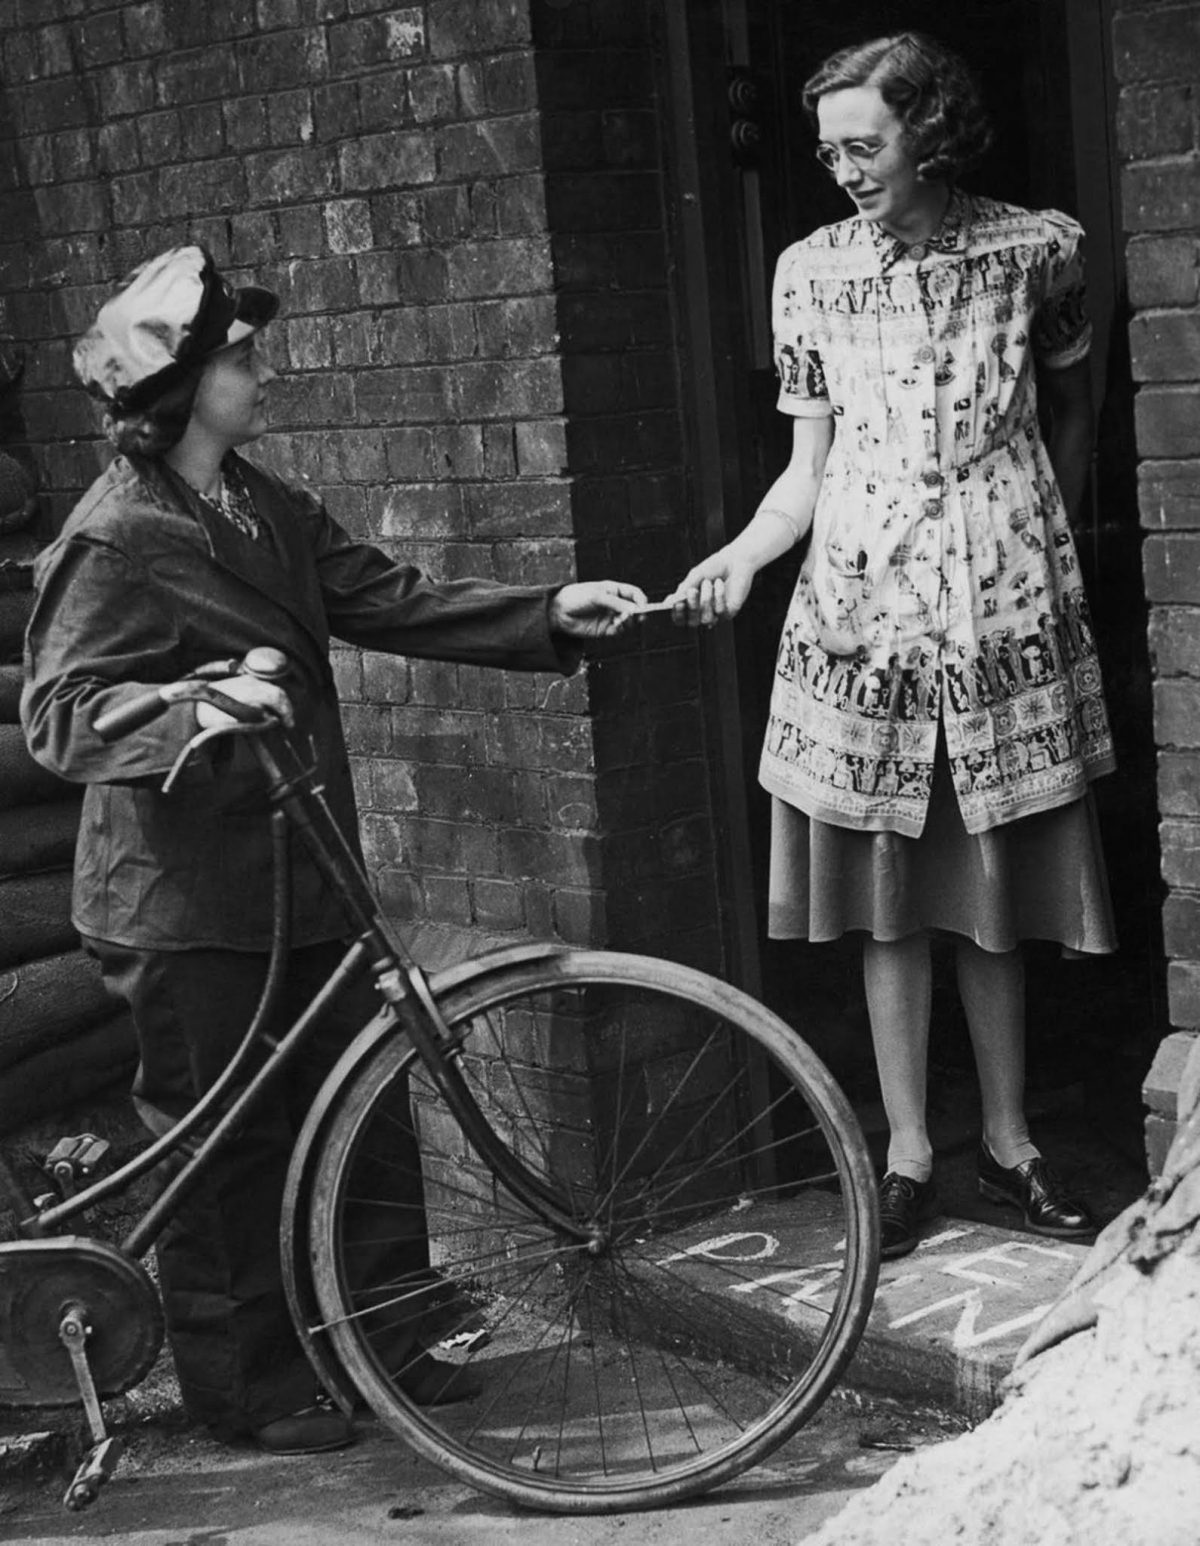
{"type": "Point", "coordinates": [400, 980]}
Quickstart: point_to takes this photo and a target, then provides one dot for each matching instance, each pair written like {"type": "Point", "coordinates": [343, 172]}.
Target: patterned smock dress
{"type": "Point", "coordinates": [937, 712]}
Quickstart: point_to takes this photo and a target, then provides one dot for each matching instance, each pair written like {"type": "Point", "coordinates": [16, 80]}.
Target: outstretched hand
{"type": "Point", "coordinates": [594, 609]}
{"type": "Point", "coordinates": [712, 591]}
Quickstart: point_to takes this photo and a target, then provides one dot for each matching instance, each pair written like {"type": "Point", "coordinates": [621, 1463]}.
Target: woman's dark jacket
{"type": "Point", "coordinates": [145, 583]}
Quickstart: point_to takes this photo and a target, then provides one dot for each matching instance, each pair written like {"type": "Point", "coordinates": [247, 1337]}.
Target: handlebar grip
{"type": "Point", "coordinates": [269, 665]}
{"type": "Point", "coordinates": [126, 717]}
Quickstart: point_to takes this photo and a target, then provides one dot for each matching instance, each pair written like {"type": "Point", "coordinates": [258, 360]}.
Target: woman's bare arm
{"type": "Point", "coordinates": [717, 588]}
{"type": "Point", "coordinates": [1068, 395]}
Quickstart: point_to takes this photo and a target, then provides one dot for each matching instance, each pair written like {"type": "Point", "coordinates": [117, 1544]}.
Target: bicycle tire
{"type": "Point", "coordinates": [714, 1104]}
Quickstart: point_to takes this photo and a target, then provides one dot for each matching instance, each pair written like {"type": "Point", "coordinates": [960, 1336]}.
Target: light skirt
{"type": "Point", "coordinates": [1042, 877]}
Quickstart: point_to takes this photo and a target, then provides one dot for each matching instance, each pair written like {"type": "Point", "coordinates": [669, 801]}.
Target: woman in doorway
{"type": "Point", "coordinates": [937, 714]}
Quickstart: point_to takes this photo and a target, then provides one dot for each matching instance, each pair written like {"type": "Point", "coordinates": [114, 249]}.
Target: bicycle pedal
{"type": "Point", "coordinates": [93, 1471]}
{"type": "Point", "coordinates": [73, 1160]}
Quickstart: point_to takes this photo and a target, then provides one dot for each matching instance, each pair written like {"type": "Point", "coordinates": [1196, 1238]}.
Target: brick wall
{"type": "Point", "coordinates": [460, 205]}
{"type": "Point", "coordinates": [597, 69]}
{"type": "Point", "coordinates": [1157, 62]}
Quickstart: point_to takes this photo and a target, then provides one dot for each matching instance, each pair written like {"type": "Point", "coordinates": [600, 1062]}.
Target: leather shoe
{"type": "Point", "coordinates": [1032, 1186]}
{"type": "Point", "coordinates": [904, 1205]}
{"type": "Point", "coordinates": [310, 1431]}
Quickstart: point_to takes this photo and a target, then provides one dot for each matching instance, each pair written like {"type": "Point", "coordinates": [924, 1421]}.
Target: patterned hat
{"type": "Point", "coordinates": [171, 312]}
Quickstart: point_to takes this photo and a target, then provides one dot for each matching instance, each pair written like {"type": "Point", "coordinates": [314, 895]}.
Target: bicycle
{"type": "Point", "coordinates": [597, 1131]}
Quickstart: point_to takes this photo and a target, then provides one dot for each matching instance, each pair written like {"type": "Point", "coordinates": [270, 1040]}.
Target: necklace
{"type": "Point", "coordinates": [234, 505]}
{"type": "Point", "coordinates": [217, 496]}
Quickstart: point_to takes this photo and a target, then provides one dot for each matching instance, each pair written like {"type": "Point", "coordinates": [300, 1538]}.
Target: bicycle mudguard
{"type": "Point", "coordinates": [294, 1235]}
{"type": "Point", "coordinates": [492, 961]}
{"type": "Point", "coordinates": [40, 1280]}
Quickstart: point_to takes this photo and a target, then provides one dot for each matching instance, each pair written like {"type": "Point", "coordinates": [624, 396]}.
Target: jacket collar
{"type": "Point", "coordinates": [272, 565]}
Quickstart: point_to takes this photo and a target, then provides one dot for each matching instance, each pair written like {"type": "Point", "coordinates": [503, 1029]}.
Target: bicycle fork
{"type": "Point", "coordinates": [433, 1040]}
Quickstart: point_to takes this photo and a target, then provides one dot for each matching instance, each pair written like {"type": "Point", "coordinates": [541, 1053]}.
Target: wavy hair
{"type": "Point", "coordinates": [153, 430]}
{"type": "Point", "coordinates": [928, 87]}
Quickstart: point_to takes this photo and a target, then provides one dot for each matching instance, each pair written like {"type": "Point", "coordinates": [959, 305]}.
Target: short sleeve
{"type": "Point", "coordinates": [803, 392]}
{"type": "Point", "coordinates": [1062, 333]}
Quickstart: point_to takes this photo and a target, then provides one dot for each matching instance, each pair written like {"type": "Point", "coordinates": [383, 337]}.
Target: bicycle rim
{"type": "Point", "coordinates": [724, 1268]}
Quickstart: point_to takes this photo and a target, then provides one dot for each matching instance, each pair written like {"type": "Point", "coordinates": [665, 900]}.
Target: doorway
{"type": "Point", "coordinates": [1044, 69]}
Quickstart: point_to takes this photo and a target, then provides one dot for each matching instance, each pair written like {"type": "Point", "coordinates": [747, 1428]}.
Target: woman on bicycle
{"type": "Point", "coordinates": [937, 714]}
{"type": "Point", "coordinates": [180, 553]}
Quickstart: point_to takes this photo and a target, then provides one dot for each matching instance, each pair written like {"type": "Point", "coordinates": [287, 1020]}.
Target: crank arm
{"type": "Point", "coordinates": [101, 1459]}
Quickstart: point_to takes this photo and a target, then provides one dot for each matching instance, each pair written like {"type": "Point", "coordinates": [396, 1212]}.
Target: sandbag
{"type": "Point", "coordinates": [49, 1002]}
{"type": "Point", "coordinates": [34, 838]}
{"type": "Point", "coordinates": [24, 781]}
{"type": "Point", "coordinates": [11, 678]}
{"type": "Point", "coordinates": [18, 494]}
{"type": "Point", "coordinates": [16, 607]}
{"type": "Point", "coordinates": [18, 550]}
{"type": "Point", "coordinates": [59, 1077]}
{"type": "Point", "coordinates": [35, 917]}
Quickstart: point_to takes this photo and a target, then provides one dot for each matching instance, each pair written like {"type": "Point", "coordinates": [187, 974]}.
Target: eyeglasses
{"type": "Point", "coordinates": [859, 154]}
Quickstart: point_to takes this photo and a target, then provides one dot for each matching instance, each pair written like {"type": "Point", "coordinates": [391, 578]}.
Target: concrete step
{"type": "Point", "coordinates": [946, 1323]}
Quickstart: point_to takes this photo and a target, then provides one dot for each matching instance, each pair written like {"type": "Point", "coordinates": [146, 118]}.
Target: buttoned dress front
{"type": "Point", "coordinates": [937, 676]}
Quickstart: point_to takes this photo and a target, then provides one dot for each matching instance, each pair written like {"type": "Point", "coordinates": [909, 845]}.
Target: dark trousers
{"type": "Point", "coordinates": [238, 1359]}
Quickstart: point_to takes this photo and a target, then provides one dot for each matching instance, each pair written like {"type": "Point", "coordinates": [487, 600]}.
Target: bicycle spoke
{"type": "Point", "coordinates": [696, 1376]}
{"type": "Point", "coordinates": [679, 1185]}
{"type": "Point", "coordinates": [450, 1215]}
{"type": "Point", "coordinates": [670, 1102]}
{"type": "Point", "coordinates": [683, 1411]}
{"type": "Point", "coordinates": [670, 1308]}
{"type": "Point", "coordinates": [562, 1405]}
{"type": "Point", "coordinates": [618, 1126]}
{"type": "Point", "coordinates": [565, 1340]}
{"type": "Point", "coordinates": [596, 1386]}
{"type": "Point", "coordinates": [736, 1081]}
{"type": "Point", "coordinates": [499, 1397]}
{"type": "Point", "coordinates": [716, 1202]}
{"type": "Point", "coordinates": [630, 1353]}
{"type": "Point", "coordinates": [539, 1261]}
{"type": "Point", "coordinates": [533, 1126]}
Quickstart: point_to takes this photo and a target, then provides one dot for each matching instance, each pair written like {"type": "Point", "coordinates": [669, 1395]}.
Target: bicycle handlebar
{"type": "Point", "coordinates": [269, 665]}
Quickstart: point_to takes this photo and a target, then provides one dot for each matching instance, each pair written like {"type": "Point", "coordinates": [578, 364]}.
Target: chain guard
{"type": "Point", "coordinates": [39, 1279]}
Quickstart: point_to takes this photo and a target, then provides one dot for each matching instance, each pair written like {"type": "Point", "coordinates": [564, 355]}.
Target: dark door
{"type": "Point", "coordinates": [1043, 66]}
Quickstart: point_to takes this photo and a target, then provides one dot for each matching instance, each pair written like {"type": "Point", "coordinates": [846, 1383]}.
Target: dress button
{"type": "Point", "coordinates": [924, 355]}
{"type": "Point", "coordinates": [931, 479]}
{"type": "Point", "coordinates": [918, 252]}
{"type": "Point", "coordinates": [933, 509]}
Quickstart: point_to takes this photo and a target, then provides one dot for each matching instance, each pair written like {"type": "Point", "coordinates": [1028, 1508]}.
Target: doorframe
{"type": "Point", "coordinates": [693, 190]}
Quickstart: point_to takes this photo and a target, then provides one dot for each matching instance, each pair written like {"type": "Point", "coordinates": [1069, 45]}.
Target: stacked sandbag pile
{"type": "Point", "coordinates": [61, 1037]}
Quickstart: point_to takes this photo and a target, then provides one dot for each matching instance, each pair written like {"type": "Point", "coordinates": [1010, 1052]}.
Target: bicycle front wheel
{"type": "Point", "coordinates": [719, 1278]}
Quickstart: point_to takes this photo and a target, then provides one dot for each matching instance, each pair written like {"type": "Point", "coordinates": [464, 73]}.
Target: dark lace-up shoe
{"type": "Point", "coordinates": [311, 1431]}
{"type": "Point", "coordinates": [1046, 1205]}
{"type": "Point", "coordinates": [904, 1205]}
